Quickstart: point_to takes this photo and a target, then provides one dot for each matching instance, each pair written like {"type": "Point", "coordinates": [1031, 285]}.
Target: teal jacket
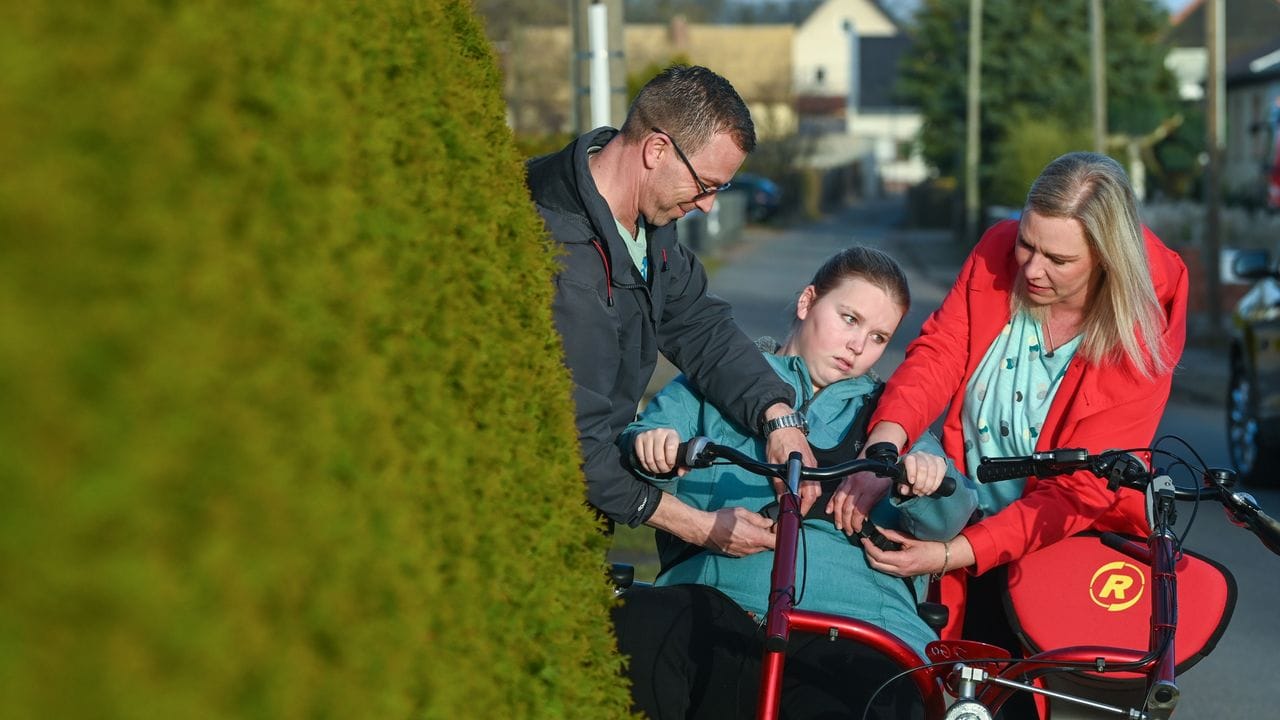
{"type": "Point", "coordinates": [832, 572]}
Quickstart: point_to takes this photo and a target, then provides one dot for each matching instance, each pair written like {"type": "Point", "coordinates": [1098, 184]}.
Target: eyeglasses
{"type": "Point", "coordinates": [705, 191]}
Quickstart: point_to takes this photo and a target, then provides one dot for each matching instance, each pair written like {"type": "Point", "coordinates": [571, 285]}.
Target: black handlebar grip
{"type": "Point", "coordinates": [689, 453]}
{"type": "Point", "coordinates": [947, 487]}
{"type": "Point", "coordinates": [1268, 531]}
{"type": "Point", "coordinates": [885, 452]}
{"type": "Point", "coordinates": [992, 472]}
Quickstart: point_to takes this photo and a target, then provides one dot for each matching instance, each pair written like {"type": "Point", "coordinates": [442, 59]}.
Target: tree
{"type": "Point", "coordinates": [1035, 64]}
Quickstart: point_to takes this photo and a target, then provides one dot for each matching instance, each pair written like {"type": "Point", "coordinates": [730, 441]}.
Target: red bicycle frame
{"type": "Point", "coordinates": [783, 618]}
{"type": "Point", "coordinates": [960, 666]}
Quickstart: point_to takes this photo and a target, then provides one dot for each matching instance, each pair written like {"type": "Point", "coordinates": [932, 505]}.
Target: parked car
{"type": "Point", "coordinates": [764, 197]}
{"type": "Point", "coordinates": [1253, 392]}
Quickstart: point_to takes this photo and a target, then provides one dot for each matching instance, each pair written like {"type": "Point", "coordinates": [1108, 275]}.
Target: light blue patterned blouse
{"type": "Point", "coordinates": [1007, 400]}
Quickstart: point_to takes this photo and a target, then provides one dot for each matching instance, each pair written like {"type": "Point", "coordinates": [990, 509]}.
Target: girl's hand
{"type": "Point", "coordinates": [656, 451]}
{"type": "Point", "coordinates": [853, 500]}
{"type": "Point", "coordinates": [924, 471]}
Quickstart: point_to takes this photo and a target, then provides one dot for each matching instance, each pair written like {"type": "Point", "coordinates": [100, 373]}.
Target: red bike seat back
{"type": "Point", "coordinates": [1081, 592]}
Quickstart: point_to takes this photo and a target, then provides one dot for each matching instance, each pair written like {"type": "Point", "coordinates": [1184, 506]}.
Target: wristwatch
{"type": "Point", "coordinates": [790, 420]}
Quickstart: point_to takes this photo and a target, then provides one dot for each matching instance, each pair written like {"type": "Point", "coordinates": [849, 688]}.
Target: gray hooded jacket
{"type": "Point", "coordinates": [613, 325]}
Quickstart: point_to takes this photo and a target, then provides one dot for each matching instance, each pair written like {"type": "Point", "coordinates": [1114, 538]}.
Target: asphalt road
{"type": "Point", "coordinates": [762, 277]}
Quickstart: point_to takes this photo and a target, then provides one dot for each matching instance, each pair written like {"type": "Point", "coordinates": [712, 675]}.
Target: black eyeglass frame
{"type": "Point", "coordinates": [702, 187]}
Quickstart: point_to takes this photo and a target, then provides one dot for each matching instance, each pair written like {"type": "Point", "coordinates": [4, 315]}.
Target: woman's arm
{"type": "Point", "coordinates": [1058, 507]}
{"type": "Point", "coordinates": [933, 368]}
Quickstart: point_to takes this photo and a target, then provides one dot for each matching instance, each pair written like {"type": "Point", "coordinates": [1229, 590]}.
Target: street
{"type": "Point", "coordinates": [761, 279]}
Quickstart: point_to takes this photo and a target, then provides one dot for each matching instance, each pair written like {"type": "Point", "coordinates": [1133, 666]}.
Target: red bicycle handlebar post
{"type": "Point", "coordinates": [781, 599]}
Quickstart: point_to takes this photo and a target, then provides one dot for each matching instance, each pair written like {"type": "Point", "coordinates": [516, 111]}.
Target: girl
{"type": "Point", "coordinates": [692, 638]}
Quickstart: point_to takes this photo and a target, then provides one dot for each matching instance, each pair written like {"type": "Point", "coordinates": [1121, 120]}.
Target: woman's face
{"type": "Point", "coordinates": [844, 332]}
{"type": "Point", "coordinates": [1057, 264]}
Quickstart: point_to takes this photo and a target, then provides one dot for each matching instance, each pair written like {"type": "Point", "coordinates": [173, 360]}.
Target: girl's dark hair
{"type": "Point", "coordinates": [872, 265]}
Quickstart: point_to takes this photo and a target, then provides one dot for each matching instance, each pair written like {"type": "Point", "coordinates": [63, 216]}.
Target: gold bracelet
{"type": "Point", "coordinates": [946, 560]}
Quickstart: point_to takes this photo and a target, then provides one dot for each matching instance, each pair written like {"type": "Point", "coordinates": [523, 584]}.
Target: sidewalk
{"type": "Point", "coordinates": [761, 276]}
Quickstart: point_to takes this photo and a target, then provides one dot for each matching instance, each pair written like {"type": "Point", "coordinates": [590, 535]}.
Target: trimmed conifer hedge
{"type": "Point", "coordinates": [284, 431]}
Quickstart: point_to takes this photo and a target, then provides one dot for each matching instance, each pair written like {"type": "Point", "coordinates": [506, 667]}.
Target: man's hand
{"type": "Point", "coordinates": [734, 531]}
{"type": "Point", "coordinates": [853, 500]}
{"type": "Point", "coordinates": [778, 448]}
{"type": "Point", "coordinates": [737, 532]}
{"type": "Point", "coordinates": [656, 451]}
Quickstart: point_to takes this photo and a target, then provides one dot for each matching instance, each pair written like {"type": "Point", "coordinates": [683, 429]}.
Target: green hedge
{"type": "Point", "coordinates": [284, 431]}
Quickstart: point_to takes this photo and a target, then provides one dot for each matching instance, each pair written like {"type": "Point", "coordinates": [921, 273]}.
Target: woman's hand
{"type": "Point", "coordinates": [853, 500]}
{"type": "Point", "coordinates": [656, 451]}
{"type": "Point", "coordinates": [924, 472]}
{"type": "Point", "coordinates": [919, 557]}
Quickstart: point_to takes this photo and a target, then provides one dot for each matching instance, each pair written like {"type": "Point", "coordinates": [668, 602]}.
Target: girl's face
{"type": "Point", "coordinates": [1057, 264]}
{"type": "Point", "coordinates": [843, 333]}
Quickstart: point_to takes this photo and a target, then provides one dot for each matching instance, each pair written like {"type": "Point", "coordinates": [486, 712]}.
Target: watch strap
{"type": "Point", "coordinates": [790, 420]}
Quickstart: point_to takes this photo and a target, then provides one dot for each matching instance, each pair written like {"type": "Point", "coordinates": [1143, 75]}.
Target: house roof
{"type": "Point", "coordinates": [1250, 24]}
{"type": "Point", "coordinates": [756, 59]}
{"type": "Point", "coordinates": [1259, 65]}
{"type": "Point", "coordinates": [877, 4]}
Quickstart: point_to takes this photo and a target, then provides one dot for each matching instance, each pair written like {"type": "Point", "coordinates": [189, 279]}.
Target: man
{"type": "Point", "coordinates": [627, 290]}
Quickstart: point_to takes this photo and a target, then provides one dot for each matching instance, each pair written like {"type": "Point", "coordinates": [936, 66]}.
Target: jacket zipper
{"type": "Point", "coordinates": [608, 271]}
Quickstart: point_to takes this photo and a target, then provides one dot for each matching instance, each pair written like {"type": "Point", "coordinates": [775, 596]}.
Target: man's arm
{"type": "Point", "coordinates": [699, 335]}
{"type": "Point", "coordinates": [735, 531]}
{"type": "Point", "coordinates": [591, 353]}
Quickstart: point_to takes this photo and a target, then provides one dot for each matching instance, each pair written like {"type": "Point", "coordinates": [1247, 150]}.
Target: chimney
{"type": "Point", "coordinates": [678, 34]}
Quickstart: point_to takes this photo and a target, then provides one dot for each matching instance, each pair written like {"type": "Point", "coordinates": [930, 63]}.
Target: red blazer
{"type": "Point", "coordinates": [1096, 407]}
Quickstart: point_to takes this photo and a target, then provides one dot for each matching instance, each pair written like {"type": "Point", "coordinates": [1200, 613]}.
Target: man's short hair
{"type": "Point", "coordinates": [693, 104]}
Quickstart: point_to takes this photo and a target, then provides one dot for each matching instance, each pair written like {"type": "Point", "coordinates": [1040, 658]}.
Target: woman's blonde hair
{"type": "Point", "coordinates": [1124, 319]}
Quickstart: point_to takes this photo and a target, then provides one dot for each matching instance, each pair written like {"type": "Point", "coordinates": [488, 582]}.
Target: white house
{"type": "Point", "coordinates": [844, 62]}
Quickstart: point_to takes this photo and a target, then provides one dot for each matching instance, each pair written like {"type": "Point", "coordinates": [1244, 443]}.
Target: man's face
{"type": "Point", "coordinates": [675, 191]}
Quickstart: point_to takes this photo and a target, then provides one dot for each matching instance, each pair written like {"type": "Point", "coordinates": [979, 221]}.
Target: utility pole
{"type": "Point", "coordinates": [971, 153]}
{"type": "Point", "coordinates": [597, 26]}
{"type": "Point", "coordinates": [1098, 56]}
{"type": "Point", "coordinates": [1215, 22]}
{"type": "Point", "coordinates": [855, 67]}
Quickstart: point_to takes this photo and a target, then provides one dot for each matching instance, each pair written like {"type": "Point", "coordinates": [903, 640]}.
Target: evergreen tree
{"type": "Point", "coordinates": [1035, 64]}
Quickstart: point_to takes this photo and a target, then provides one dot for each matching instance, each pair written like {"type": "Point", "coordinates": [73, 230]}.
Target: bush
{"type": "Point", "coordinates": [284, 430]}
{"type": "Point", "coordinates": [1030, 145]}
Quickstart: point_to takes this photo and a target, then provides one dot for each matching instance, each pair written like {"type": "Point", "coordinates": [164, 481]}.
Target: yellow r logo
{"type": "Point", "coordinates": [1116, 586]}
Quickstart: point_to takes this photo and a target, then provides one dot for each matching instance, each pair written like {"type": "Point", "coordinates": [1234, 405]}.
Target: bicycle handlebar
{"type": "Point", "coordinates": [1115, 466]}
{"type": "Point", "coordinates": [1246, 512]}
{"type": "Point", "coordinates": [1120, 468]}
{"type": "Point", "coordinates": [881, 459]}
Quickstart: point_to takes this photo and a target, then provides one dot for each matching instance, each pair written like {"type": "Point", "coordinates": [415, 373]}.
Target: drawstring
{"type": "Point", "coordinates": [664, 259]}
{"type": "Point", "coordinates": [608, 272]}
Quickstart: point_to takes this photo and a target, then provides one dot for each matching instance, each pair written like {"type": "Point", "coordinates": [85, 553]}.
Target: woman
{"type": "Point", "coordinates": [1061, 330]}
{"type": "Point", "coordinates": [692, 639]}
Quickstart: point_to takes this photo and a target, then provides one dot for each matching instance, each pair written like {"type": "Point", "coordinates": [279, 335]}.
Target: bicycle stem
{"type": "Point", "coordinates": [782, 590]}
